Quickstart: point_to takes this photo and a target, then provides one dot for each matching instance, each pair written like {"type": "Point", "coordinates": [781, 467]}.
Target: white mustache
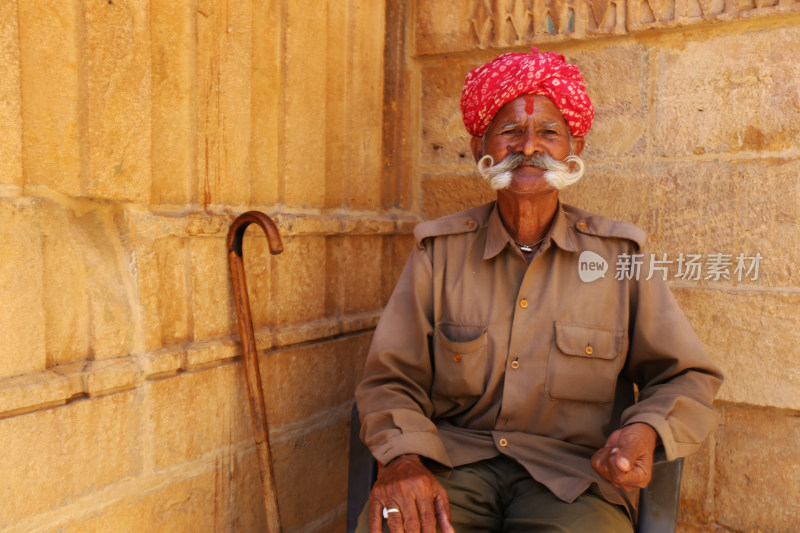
{"type": "Point", "coordinates": [557, 173]}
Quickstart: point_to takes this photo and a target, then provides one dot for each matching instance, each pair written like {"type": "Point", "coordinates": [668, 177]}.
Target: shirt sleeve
{"type": "Point", "coordinates": [676, 379]}
{"type": "Point", "coordinates": [394, 396]}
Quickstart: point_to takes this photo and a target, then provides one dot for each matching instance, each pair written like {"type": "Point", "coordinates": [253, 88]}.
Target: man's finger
{"type": "Point", "coordinates": [375, 516]}
{"type": "Point", "coordinates": [441, 506]}
{"type": "Point", "coordinates": [395, 521]}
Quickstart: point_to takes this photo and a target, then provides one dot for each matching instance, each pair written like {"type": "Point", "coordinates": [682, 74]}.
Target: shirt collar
{"type": "Point", "coordinates": [497, 237]}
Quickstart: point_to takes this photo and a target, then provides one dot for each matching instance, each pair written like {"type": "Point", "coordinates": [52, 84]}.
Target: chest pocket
{"type": "Point", "coordinates": [461, 366]}
{"type": "Point", "coordinates": [584, 362]}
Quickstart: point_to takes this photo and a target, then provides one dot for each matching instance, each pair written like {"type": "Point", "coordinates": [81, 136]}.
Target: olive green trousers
{"type": "Point", "coordinates": [499, 496]}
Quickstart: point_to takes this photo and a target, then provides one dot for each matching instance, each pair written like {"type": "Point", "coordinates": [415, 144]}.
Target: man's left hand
{"type": "Point", "coordinates": [626, 461]}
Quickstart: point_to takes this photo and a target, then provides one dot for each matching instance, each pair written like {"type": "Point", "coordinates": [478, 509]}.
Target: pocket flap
{"type": "Point", "coordinates": [588, 341]}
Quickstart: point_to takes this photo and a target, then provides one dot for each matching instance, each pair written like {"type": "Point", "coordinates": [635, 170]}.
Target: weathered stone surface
{"type": "Point", "coordinates": [172, 289]}
{"type": "Point", "coordinates": [706, 208]}
{"type": "Point", "coordinates": [196, 413]}
{"type": "Point", "coordinates": [22, 337]}
{"type": "Point", "coordinates": [267, 71]}
{"type": "Point", "coordinates": [757, 484]}
{"type": "Point", "coordinates": [304, 108]}
{"type": "Point", "coordinates": [292, 377]}
{"type": "Point", "coordinates": [10, 104]}
{"type": "Point", "coordinates": [450, 193]}
{"type": "Point", "coordinates": [299, 466]}
{"type": "Point", "coordinates": [213, 314]}
{"type": "Point", "coordinates": [51, 94]}
{"type": "Point", "coordinates": [442, 27]}
{"type": "Point", "coordinates": [729, 94]}
{"type": "Point", "coordinates": [364, 111]}
{"type": "Point", "coordinates": [355, 268]}
{"type": "Point", "coordinates": [444, 140]}
{"type": "Point", "coordinates": [67, 452]}
{"type": "Point", "coordinates": [697, 485]}
{"type": "Point", "coordinates": [753, 336]}
{"type": "Point", "coordinates": [173, 163]}
{"type": "Point", "coordinates": [257, 264]}
{"type": "Point", "coordinates": [185, 505]}
{"type": "Point", "coordinates": [299, 274]}
{"type": "Point", "coordinates": [617, 79]}
{"type": "Point", "coordinates": [224, 129]}
{"type": "Point", "coordinates": [118, 80]}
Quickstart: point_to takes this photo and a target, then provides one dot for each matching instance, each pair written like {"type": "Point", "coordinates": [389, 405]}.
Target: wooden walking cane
{"type": "Point", "coordinates": [255, 391]}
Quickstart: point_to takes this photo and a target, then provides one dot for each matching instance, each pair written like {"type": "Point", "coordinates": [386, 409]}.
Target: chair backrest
{"type": "Point", "coordinates": [658, 503]}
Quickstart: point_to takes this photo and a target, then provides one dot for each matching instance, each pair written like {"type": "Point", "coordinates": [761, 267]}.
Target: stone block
{"type": "Point", "coordinates": [213, 314]}
{"type": "Point", "coordinates": [119, 109]}
{"type": "Point", "coordinates": [22, 337]}
{"type": "Point", "coordinates": [197, 413]}
{"type": "Point", "coordinates": [184, 505]}
{"type": "Point", "coordinates": [292, 377]}
{"type": "Point", "coordinates": [442, 27]}
{"type": "Point", "coordinates": [364, 99]}
{"type": "Point", "coordinates": [444, 141]}
{"type": "Point", "coordinates": [51, 94]}
{"type": "Point", "coordinates": [224, 129]}
{"type": "Point", "coordinates": [753, 337]}
{"type": "Point", "coordinates": [57, 455]}
{"type": "Point", "coordinates": [10, 104]}
{"type": "Point", "coordinates": [728, 93]}
{"type": "Point", "coordinates": [299, 281]}
{"type": "Point", "coordinates": [697, 485]}
{"type": "Point", "coordinates": [617, 79]}
{"type": "Point", "coordinates": [730, 207]}
{"type": "Point", "coordinates": [612, 190]}
{"type": "Point", "coordinates": [267, 71]}
{"type": "Point", "coordinates": [173, 289]}
{"type": "Point", "coordinates": [172, 81]}
{"type": "Point", "coordinates": [36, 390]}
{"type": "Point", "coordinates": [757, 475]}
{"type": "Point", "coordinates": [304, 140]}
{"type": "Point", "coordinates": [355, 266]}
{"type": "Point", "coordinates": [257, 264]}
{"type": "Point", "coordinates": [315, 463]}
{"type": "Point", "coordinates": [451, 193]}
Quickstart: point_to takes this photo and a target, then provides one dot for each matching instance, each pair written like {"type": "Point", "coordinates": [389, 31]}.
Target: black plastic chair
{"type": "Point", "coordinates": [658, 503]}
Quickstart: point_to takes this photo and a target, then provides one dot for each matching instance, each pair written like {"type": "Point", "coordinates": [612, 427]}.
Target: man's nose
{"type": "Point", "coordinates": [530, 143]}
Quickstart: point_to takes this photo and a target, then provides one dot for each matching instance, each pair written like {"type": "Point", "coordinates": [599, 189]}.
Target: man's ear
{"type": "Point", "coordinates": [578, 144]}
{"type": "Point", "coordinates": [476, 145]}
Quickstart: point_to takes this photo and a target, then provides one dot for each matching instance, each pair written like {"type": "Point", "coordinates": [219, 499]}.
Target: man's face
{"type": "Point", "coordinates": [527, 125]}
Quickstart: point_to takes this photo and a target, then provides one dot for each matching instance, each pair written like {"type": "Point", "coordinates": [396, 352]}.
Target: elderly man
{"type": "Point", "coordinates": [503, 391]}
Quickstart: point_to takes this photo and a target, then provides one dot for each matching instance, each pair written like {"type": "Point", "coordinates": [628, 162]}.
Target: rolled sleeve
{"type": "Point", "coordinates": [677, 381]}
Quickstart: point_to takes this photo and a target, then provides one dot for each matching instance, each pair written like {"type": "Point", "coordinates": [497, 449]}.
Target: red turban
{"type": "Point", "coordinates": [501, 80]}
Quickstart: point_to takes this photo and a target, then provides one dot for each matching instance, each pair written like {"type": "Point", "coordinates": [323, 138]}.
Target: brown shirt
{"type": "Point", "coordinates": [479, 353]}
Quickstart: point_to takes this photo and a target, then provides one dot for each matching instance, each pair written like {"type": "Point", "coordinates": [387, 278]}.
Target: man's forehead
{"type": "Point", "coordinates": [530, 104]}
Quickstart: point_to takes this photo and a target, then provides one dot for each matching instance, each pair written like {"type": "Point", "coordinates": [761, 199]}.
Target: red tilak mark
{"type": "Point", "coordinates": [529, 104]}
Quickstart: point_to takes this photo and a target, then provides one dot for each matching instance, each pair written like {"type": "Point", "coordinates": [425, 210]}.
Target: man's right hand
{"type": "Point", "coordinates": [407, 485]}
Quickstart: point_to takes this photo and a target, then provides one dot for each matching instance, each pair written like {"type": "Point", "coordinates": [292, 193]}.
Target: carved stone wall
{"type": "Point", "coordinates": [460, 26]}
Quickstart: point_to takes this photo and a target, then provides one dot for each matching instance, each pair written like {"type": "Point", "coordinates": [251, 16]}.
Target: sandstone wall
{"type": "Point", "coordinates": [695, 140]}
{"type": "Point", "coordinates": [131, 133]}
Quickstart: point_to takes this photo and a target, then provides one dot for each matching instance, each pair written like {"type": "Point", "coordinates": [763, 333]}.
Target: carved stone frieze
{"type": "Point", "coordinates": [496, 23]}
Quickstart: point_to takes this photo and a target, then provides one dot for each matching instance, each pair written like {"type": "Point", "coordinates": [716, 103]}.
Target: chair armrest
{"type": "Point", "coordinates": [362, 472]}
{"type": "Point", "coordinates": [658, 503]}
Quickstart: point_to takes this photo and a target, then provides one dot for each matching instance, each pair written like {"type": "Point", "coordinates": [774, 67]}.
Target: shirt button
{"type": "Point", "coordinates": [457, 358]}
{"type": "Point", "coordinates": [470, 224]}
{"type": "Point", "coordinates": [582, 225]}
{"type": "Point", "coordinates": [589, 350]}
{"type": "Point", "coordinates": [515, 364]}
{"type": "Point", "coordinates": [503, 443]}
{"type": "Point", "coordinates": [523, 303]}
